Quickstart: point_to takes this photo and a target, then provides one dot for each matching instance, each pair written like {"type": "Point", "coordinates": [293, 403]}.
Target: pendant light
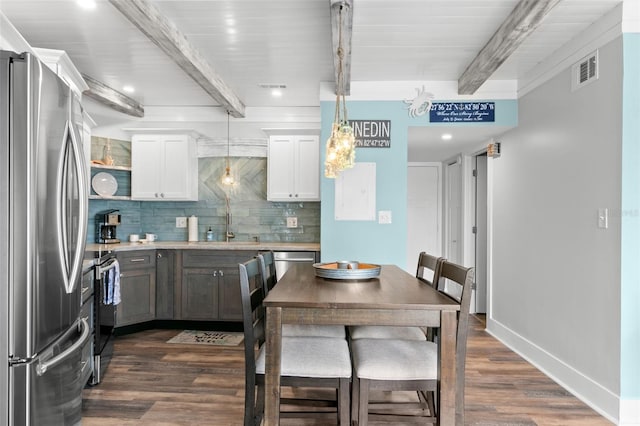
{"type": "Point", "coordinates": [341, 149]}
{"type": "Point", "coordinates": [227, 179]}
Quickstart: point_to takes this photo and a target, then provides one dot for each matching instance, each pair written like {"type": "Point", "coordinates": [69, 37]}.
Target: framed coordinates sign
{"type": "Point", "coordinates": [462, 112]}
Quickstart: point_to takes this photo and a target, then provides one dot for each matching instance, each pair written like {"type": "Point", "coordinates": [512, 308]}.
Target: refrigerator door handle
{"type": "Point", "coordinates": [72, 276]}
{"type": "Point", "coordinates": [43, 366]}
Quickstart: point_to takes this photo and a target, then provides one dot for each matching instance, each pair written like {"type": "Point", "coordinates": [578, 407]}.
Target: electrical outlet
{"type": "Point", "coordinates": [181, 222]}
{"type": "Point", "coordinates": [384, 216]}
{"type": "Point", "coordinates": [292, 222]}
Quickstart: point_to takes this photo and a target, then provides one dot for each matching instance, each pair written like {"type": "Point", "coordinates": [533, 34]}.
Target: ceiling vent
{"type": "Point", "coordinates": [272, 86]}
{"type": "Point", "coordinates": [584, 71]}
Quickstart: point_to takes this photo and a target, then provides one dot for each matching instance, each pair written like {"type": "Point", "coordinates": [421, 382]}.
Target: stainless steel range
{"type": "Point", "coordinates": [104, 314]}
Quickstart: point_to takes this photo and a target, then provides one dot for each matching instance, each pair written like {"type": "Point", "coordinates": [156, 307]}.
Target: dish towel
{"type": "Point", "coordinates": [111, 288]}
{"type": "Point", "coordinates": [107, 284]}
{"type": "Point", "coordinates": [116, 284]}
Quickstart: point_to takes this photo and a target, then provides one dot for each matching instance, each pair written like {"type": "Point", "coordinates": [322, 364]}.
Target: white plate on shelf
{"type": "Point", "coordinates": [104, 184]}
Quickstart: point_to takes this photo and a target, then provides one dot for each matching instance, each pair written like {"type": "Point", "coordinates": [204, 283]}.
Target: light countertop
{"type": "Point", "coordinates": [203, 245]}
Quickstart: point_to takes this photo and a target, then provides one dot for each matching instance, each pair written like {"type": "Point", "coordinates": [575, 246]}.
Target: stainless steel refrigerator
{"type": "Point", "coordinates": [43, 226]}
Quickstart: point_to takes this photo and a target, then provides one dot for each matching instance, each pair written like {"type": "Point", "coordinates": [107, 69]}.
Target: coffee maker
{"type": "Point", "coordinates": [106, 223]}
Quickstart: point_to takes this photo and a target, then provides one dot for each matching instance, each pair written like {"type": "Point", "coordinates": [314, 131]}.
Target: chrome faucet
{"type": "Point", "coordinates": [228, 234]}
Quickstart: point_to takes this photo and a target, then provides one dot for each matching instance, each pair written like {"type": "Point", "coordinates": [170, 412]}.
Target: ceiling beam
{"type": "Point", "coordinates": [522, 21]}
{"type": "Point", "coordinates": [347, 29]}
{"type": "Point", "coordinates": [112, 98]}
{"type": "Point", "coordinates": [167, 37]}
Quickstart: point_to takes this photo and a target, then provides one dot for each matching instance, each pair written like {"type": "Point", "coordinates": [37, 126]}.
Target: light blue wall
{"type": "Point", "coordinates": [630, 285]}
{"type": "Point", "coordinates": [367, 240]}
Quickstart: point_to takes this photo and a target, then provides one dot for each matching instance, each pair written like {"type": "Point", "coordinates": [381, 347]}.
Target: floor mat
{"type": "Point", "coordinates": [198, 337]}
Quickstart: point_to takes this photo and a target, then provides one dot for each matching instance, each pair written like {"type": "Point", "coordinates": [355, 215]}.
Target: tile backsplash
{"type": "Point", "coordinates": [252, 215]}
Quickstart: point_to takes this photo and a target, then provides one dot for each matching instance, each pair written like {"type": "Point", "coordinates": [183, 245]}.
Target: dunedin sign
{"type": "Point", "coordinates": [372, 133]}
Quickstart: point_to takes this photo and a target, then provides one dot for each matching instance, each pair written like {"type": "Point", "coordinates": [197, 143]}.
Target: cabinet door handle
{"type": "Point", "coordinates": [296, 195]}
{"type": "Point", "coordinates": [142, 259]}
{"type": "Point", "coordinates": [157, 196]}
{"type": "Point", "coordinates": [290, 195]}
{"type": "Point", "coordinates": [162, 195]}
{"type": "Point", "coordinates": [221, 273]}
{"type": "Point", "coordinates": [159, 255]}
{"type": "Point", "coordinates": [215, 273]}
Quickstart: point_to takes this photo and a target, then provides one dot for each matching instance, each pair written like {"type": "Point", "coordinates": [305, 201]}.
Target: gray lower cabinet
{"type": "Point", "coordinates": [137, 287]}
{"type": "Point", "coordinates": [230, 306]}
{"type": "Point", "coordinates": [165, 268]}
{"type": "Point", "coordinates": [210, 287]}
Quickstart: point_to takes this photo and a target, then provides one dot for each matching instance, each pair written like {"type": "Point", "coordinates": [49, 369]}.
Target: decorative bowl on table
{"type": "Point", "coordinates": [352, 271]}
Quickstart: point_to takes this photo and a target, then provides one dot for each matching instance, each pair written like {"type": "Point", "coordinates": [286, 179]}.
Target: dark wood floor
{"type": "Point", "coordinates": [151, 382]}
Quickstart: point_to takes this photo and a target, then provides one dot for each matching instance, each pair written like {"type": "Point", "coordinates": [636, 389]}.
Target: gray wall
{"type": "Point", "coordinates": [556, 275]}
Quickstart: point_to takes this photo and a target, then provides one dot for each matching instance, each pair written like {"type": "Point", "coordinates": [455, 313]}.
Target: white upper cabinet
{"type": "Point", "coordinates": [164, 168]}
{"type": "Point", "coordinates": [293, 168]}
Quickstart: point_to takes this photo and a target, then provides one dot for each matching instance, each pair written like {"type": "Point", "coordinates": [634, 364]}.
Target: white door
{"type": "Point", "coordinates": [481, 234]}
{"type": "Point", "coordinates": [453, 206]}
{"type": "Point", "coordinates": [423, 212]}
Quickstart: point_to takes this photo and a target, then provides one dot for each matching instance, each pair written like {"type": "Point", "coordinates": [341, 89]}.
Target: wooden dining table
{"type": "Point", "coordinates": [395, 297]}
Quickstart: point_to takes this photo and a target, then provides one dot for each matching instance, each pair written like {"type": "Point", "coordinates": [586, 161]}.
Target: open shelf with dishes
{"type": "Point", "coordinates": [110, 182]}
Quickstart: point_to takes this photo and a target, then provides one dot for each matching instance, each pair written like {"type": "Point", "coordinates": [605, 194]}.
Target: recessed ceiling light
{"type": "Point", "coordinates": [86, 4]}
{"type": "Point", "coordinates": [276, 93]}
{"type": "Point", "coordinates": [128, 89]}
{"type": "Point", "coordinates": [446, 136]}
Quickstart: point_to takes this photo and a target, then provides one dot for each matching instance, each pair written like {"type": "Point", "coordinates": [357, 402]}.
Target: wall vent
{"type": "Point", "coordinates": [584, 71]}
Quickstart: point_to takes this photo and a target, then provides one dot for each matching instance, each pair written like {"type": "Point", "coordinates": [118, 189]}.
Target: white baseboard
{"type": "Point", "coordinates": [602, 400]}
{"type": "Point", "coordinates": [630, 412]}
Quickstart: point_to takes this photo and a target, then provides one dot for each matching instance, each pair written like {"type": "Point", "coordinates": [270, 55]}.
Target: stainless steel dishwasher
{"type": "Point", "coordinates": [284, 259]}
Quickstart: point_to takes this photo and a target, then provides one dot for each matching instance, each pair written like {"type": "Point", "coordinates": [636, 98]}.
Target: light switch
{"type": "Point", "coordinates": [603, 218]}
{"type": "Point", "coordinates": [384, 216]}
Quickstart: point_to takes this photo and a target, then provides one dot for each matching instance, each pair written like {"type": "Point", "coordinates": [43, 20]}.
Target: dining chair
{"type": "Point", "coordinates": [428, 270]}
{"type": "Point", "coordinates": [269, 279]}
{"type": "Point", "coordinates": [396, 364]}
{"type": "Point", "coordinates": [268, 270]}
{"type": "Point", "coordinates": [317, 362]}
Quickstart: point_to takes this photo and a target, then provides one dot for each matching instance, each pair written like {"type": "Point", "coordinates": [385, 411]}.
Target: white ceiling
{"type": "Point", "coordinates": [249, 42]}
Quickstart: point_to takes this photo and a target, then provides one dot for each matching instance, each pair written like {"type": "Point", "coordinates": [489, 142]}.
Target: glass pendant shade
{"type": "Point", "coordinates": [227, 178]}
{"type": "Point", "coordinates": [341, 150]}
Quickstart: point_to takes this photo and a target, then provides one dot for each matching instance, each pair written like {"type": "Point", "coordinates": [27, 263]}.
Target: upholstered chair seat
{"type": "Point", "coordinates": [316, 357]}
{"type": "Point", "coordinates": [395, 359]}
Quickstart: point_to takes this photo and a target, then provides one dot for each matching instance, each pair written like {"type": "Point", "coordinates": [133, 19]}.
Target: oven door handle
{"type": "Point", "coordinates": [296, 260]}
{"type": "Point", "coordinates": [110, 265]}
